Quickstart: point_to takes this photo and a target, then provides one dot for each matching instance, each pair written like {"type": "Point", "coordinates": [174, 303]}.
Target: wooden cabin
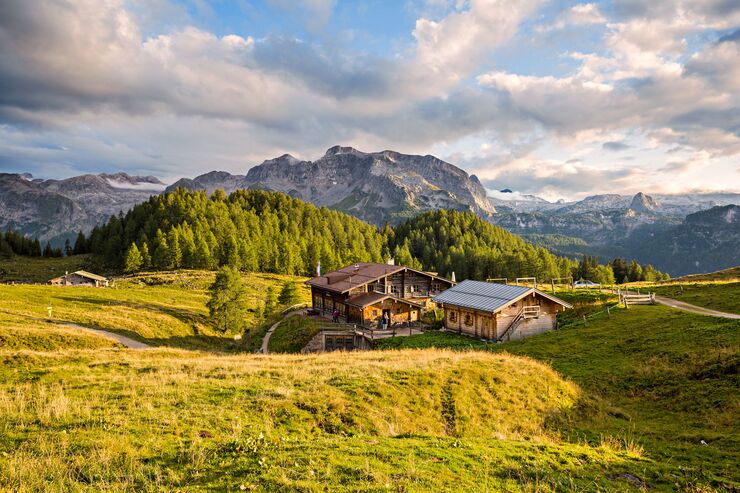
{"type": "Point", "coordinates": [364, 291]}
{"type": "Point", "coordinates": [499, 311]}
{"type": "Point", "coordinates": [80, 278]}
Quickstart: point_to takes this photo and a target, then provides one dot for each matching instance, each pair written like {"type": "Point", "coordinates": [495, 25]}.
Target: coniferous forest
{"type": "Point", "coordinates": [261, 231]}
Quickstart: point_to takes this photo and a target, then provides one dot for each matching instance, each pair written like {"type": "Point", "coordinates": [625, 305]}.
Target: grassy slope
{"type": "Point", "coordinates": [731, 274]}
{"type": "Point", "coordinates": [162, 309]}
{"type": "Point", "coordinates": [40, 269]}
{"type": "Point", "coordinates": [723, 297]}
{"type": "Point", "coordinates": [415, 421]}
{"type": "Point", "coordinates": [293, 334]}
{"type": "Point", "coordinates": [670, 376]}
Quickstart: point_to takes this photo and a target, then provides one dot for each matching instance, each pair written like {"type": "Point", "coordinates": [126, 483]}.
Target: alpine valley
{"type": "Point", "coordinates": [701, 231]}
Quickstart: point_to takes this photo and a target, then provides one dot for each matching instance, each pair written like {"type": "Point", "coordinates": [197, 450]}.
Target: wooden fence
{"type": "Point", "coordinates": [636, 299]}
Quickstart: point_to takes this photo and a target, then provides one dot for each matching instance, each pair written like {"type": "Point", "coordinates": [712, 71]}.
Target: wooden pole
{"type": "Point", "coordinates": [585, 322]}
{"type": "Point", "coordinates": [553, 285]}
{"type": "Point", "coordinates": [608, 313]}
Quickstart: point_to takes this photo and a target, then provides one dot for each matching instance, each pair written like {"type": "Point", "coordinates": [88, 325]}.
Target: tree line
{"type": "Point", "coordinates": [251, 230]}
{"type": "Point", "coordinates": [261, 231]}
{"type": "Point", "coordinates": [16, 243]}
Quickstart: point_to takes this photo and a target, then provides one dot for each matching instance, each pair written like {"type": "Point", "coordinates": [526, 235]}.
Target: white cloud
{"type": "Point", "coordinates": [90, 77]}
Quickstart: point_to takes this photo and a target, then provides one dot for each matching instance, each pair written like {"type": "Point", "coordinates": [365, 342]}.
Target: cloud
{"type": "Point", "coordinates": [582, 14]}
{"type": "Point", "coordinates": [615, 146]}
{"type": "Point", "coordinates": [103, 80]}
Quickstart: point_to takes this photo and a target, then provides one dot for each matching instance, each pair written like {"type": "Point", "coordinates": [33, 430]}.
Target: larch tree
{"type": "Point", "coordinates": [227, 304]}
{"type": "Point", "coordinates": [133, 260]}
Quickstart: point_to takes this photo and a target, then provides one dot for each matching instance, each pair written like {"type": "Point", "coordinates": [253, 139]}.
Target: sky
{"type": "Point", "coordinates": [558, 99]}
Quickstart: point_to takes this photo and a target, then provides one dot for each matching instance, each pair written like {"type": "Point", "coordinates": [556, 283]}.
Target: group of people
{"type": "Point", "coordinates": [385, 320]}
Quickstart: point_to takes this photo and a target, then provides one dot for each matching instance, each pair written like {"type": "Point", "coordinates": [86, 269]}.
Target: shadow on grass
{"type": "Point", "coordinates": [183, 315]}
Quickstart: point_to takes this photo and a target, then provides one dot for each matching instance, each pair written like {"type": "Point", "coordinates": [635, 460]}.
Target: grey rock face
{"type": "Point", "coordinates": [56, 209]}
{"type": "Point", "coordinates": [643, 203]}
{"type": "Point", "coordinates": [376, 187]}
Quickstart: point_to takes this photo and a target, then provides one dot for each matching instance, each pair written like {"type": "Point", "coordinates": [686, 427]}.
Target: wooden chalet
{"type": "Point", "coordinates": [364, 291]}
{"type": "Point", "coordinates": [80, 278]}
{"type": "Point", "coordinates": [499, 311]}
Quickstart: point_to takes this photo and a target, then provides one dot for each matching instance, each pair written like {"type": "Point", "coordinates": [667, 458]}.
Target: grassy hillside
{"type": "Point", "coordinates": [293, 334]}
{"type": "Point", "coordinates": [41, 269]}
{"type": "Point", "coordinates": [413, 421]}
{"type": "Point", "coordinates": [717, 296]}
{"type": "Point", "coordinates": [669, 377]}
{"type": "Point", "coordinates": [731, 274]}
{"type": "Point", "coordinates": [161, 309]}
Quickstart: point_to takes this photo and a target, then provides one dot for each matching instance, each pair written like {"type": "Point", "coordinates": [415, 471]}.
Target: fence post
{"type": "Point", "coordinates": [608, 313]}
{"type": "Point", "coordinates": [585, 322]}
{"type": "Point", "coordinates": [553, 285]}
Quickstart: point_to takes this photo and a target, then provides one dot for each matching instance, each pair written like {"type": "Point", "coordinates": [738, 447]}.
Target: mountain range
{"type": "Point", "coordinates": [388, 186]}
{"type": "Point", "coordinates": [377, 187]}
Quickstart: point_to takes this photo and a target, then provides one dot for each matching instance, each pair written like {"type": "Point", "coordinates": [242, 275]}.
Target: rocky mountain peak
{"type": "Point", "coordinates": [122, 177]}
{"type": "Point", "coordinates": [333, 151]}
{"type": "Point", "coordinates": [643, 203]}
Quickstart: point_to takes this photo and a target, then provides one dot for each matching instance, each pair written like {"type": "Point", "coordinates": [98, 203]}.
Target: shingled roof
{"type": "Point", "coordinates": [354, 275]}
{"type": "Point", "coordinates": [368, 299]}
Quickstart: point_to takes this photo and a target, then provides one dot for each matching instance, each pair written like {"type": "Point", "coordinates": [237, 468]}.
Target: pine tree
{"type": "Point", "coordinates": [270, 302]}
{"type": "Point", "coordinates": [134, 260]}
{"type": "Point", "coordinates": [146, 258]}
{"type": "Point", "coordinates": [288, 295]}
{"type": "Point", "coordinates": [48, 252]}
{"type": "Point", "coordinates": [174, 252]}
{"type": "Point", "coordinates": [227, 303]}
{"type": "Point", "coordinates": [68, 248]}
{"type": "Point", "coordinates": [161, 252]}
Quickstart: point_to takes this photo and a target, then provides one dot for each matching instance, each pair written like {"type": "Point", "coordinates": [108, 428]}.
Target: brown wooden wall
{"type": "Point", "coordinates": [490, 326]}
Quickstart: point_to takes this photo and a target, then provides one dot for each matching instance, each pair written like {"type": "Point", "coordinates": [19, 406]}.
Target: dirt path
{"type": "Point", "coordinates": [126, 341]}
{"type": "Point", "coordinates": [688, 307]}
{"type": "Point", "coordinates": [680, 305]}
{"type": "Point", "coordinates": [266, 339]}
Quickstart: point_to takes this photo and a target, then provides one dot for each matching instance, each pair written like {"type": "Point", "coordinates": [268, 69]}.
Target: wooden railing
{"type": "Point", "coordinates": [532, 311]}
{"type": "Point", "coordinates": [512, 326]}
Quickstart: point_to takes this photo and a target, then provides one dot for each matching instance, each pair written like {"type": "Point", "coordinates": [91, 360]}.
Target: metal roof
{"type": "Point", "coordinates": [484, 296]}
{"type": "Point", "coordinates": [90, 275]}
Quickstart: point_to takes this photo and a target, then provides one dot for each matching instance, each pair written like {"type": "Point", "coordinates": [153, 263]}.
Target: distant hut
{"type": "Point", "coordinates": [80, 278]}
{"type": "Point", "coordinates": [499, 311]}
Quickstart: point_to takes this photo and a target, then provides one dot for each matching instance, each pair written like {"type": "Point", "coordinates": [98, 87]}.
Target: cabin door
{"type": "Point", "coordinates": [386, 317]}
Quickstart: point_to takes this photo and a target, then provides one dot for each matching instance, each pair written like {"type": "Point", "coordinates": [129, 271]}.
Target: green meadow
{"type": "Point", "coordinates": [161, 309]}
{"type": "Point", "coordinates": [645, 398]}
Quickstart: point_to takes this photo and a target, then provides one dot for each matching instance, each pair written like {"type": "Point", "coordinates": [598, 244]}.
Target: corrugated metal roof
{"type": "Point", "coordinates": [484, 296]}
{"type": "Point", "coordinates": [90, 275]}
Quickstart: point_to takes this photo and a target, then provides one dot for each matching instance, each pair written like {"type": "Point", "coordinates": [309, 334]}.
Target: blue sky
{"type": "Point", "coordinates": [560, 99]}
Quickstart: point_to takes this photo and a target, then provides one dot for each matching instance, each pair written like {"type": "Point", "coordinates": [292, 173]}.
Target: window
{"type": "Point", "coordinates": [436, 287]}
{"type": "Point", "coordinates": [453, 316]}
{"type": "Point", "coordinates": [375, 313]}
{"type": "Point", "coordinates": [468, 319]}
{"type": "Point", "coordinates": [398, 311]}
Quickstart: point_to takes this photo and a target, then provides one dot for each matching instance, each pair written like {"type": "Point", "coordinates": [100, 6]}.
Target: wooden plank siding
{"type": "Point", "coordinates": [414, 287]}
{"type": "Point", "coordinates": [489, 325]}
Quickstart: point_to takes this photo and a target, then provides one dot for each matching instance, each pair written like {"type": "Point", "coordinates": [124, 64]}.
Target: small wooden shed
{"type": "Point", "coordinates": [80, 278]}
{"type": "Point", "coordinates": [499, 311]}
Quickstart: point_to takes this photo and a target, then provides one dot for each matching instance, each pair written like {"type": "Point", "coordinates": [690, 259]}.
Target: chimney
{"type": "Point", "coordinates": [391, 261]}
{"type": "Point", "coordinates": [453, 277]}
